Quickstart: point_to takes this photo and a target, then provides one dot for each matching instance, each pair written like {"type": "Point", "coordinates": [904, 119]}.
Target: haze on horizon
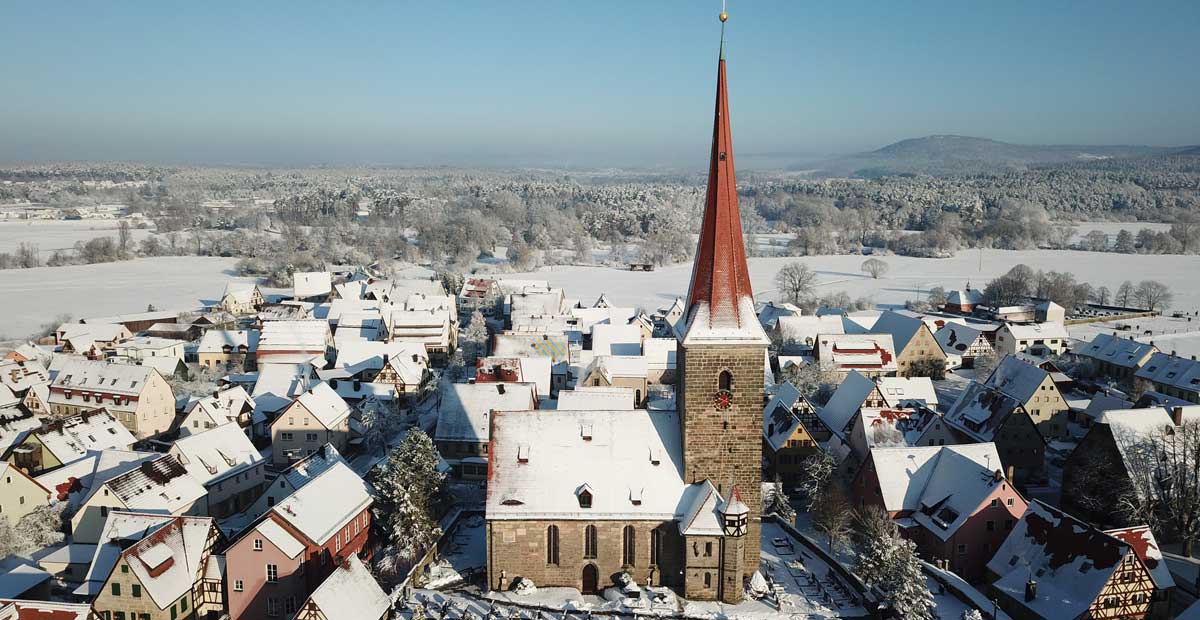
{"type": "Point", "coordinates": [581, 84]}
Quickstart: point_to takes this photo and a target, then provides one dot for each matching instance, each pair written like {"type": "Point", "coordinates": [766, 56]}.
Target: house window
{"type": "Point", "coordinates": [135, 590]}
{"type": "Point", "coordinates": [285, 436]}
{"type": "Point", "coordinates": [272, 573]}
{"type": "Point", "coordinates": [991, 526]}
{"type": "Point", "coordinates": [289, 605]}
{"type": "Point", "coordinates": [962, 548]}
{"type": "Point", "coordinates": [272, 607]}
{"type": "Point", "coordinates": [708, 580]}
{"type": "Point", "coordinates": [116, 589]}
{"type": "Point", "coordinates": [238, 586]}
{"type": "Point", "coordinates": [629, 540]}
{"type": "Point", "coordinates": [585, 499]}
{"type": "Point", "coordinates": [310, 437]}
{"type": "Point", "coordinates": [725, 381]}
{"type": "Point", "coordinates": [258, 544]}
{"type": "Point", "coordinates": [183, 605]}
{"type": "Point", "coordinates": [552, 545]}
{"type": "Point", "coordinates": [1008, 524]}
{"type": "Point", "coordinates": [708, 550]}
{"type": "Point", "coordinates": [995, 503]}
{"type": "Point", "coordinates": [589, 542]}
{"type": "Point", "coordinates": [655, 545]}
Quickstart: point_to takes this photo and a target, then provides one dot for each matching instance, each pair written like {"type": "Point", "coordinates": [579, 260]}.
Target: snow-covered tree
{"type": "Point", "coordinates": [889, 562]}
{"type": "Point", "coordinates": [475, 337]}
{"type": "Point", "coordinates": [380, 421]}
{"type": "Point", "coordinates": [832, 515]}
{"type": "Point", "coordinates": [817, 471]}
{"type": "Point", "coordinates": [407, 488]}
{"type": "Point", "coordinates": [42, 526]}
{"type": "Point", "coordinates": [776, 501]}
{"type": "Point", "coordinates": [972, 614]}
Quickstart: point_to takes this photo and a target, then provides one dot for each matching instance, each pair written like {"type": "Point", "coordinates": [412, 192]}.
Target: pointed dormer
{"type": "Point", "coordinates": [720, 304]}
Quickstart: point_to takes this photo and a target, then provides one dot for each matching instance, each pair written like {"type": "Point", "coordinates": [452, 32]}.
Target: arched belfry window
{"type": "Point", "coordinates": [725, 381]}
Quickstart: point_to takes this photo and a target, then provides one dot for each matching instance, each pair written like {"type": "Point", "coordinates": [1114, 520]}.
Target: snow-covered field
{"type": "Point", "coordinates": [50, 235]}
{"type": "Point", "coordinates": [32, 297]}
{"type": "Point", "coordinates": [1112, 228]}
{"type": "Point", "coordinates": [906, 278]}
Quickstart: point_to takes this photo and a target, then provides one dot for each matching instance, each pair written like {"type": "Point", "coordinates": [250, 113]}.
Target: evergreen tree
{"type": "Point", "coordinates": [407, 488]}
{"type": "Point", "coordinates": [889, 562]}
{"type": "Point", "coordinates": [475, 337]}
{"type": "Point", "coordinates": [776, 501]}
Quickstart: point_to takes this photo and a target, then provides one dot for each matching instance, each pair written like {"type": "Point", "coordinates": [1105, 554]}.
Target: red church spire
{"type": "Point", "coordinates": [720, 301]}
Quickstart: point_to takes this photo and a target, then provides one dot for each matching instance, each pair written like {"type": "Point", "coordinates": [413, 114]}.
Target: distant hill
{"type": "Point", "coordinates": [946, 154]}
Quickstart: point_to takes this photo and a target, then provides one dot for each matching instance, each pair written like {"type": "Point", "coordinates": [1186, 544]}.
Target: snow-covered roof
{"type": "Point", "coordinates": [908, 391]}
{"type": "Point", "coordinates": [1016, 378]}
{"type": "Point", "coordinates": [730, 323]}
{"type": "Point", "coordinates": [805, 329]}
{"type": "Point", "coordinates": [1070, 560]}
{"type": "Point", "coordinates": [350, 593]}
{"type": "Point", "coordinates": [901, 327]}
{"type": "Point", "coordinates": [293, 336]}
{"type": "Point", "coordinates": [1120, 352]}
{"type": "Point", "coordinates": [956, 338]}
{"type": "Point", "coordinates": [216, 453]}
{"type": "Point", "coordinates": [1146, 547]}
{"type": "Point", "coordinates": [981, 410]}
{"type": "Point", "coordinates": [554, 346]}
{"type": "Point", "coordinates": [1177, 372]}
{"type": "Point", "coordinates": [616, 340]}
{"type": "Point", "coordinates": [1101, 403]}
{"type": "Point", "coordinates": [225, 405]}
{"type": "Point", "coordinates": [967, 297]}
{"type": "Point", "coordinates": [779, 421]}
{"type": "Point", "coordinates": [464, 409]}
{"type": "Point", "coordinates": [216, 341]}
{"type": "Point", "coordinates": [326, 504]}
{"type": "Point", "coordinates": [358, 356]}
{"type": "Point", "coordinates": [874, 352]}
{"type": "Point", "coordinates": [278, 384]}
{"type": "Point", "coordinates": [147, 343]}
{"type": "Point", "coordinates": [95, 376]}
{"type": "Point", "coordinates": [19, 576]}
{"type": "Point", "coordinates": [596, 399]}
{"type": "Point", "coordinates": [106, 332]}
{"type": "Point", "coordinates": [326, 406]}
{"type": "Point", "coordinates": [617, 366]}
{"type": "Point", "coordinates": [660, 353]}
{"type": "Point", "coordinates": [162, 484]}
{"type": "Point", "coordinates": [701, 516]}
{"type": "Point", "coordinates": [71, 438]}
{"type": "Point", "coordinates": [281, 538]}
{"type": "Point", "coordinates": [631, 460]}
{"type": "Point", "coordinates": [166, 553]}
{"type": "Point", "coordinates": [1037, 331]}
{"type": "Point", "coordinates": [846, 401]}
{"type": "Point", "coordinates": [11, 609]}
{"type": "Point", "coordinates": [311, 284]}
{"type": "Point", "coordinates": [770, 312]}
{"type": "Point", "coordinates": [20, 376]}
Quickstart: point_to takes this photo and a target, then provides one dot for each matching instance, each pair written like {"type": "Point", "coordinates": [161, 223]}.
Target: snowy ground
{"type": "Point", "coordinates": [807, 588]}
{"type": "Point", "coordinates": [1112, 228]}
{"type": "Point", "coordinates": [35, 296]}
{"type": "Point", "coordinates": [50, 235]}
{"type": "Point", "coordinates": [908, 277]}
{"type": "Point", "coordinates": [1168, 333]}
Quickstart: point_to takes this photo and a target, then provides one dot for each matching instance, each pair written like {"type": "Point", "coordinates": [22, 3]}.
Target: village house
{"type": "Point", "coordinates": [802, 332]}
{"type": "Point", "coordinates": [963, 301]}
{"type": "Point", "coordinates": [272, 566]}
{"type": "Point", "coordinates": [227, 464]}
{"type": "Point", "coordinates": [350, 593]}
{"type": "Point", "coordinates": [897, 428]}
{"type": "Point", "coordinates": [68, 439]}
{"type": "Point", "coordinates": [556, 347]}
{"type": "Point", "coordinates": [83, 337]}
{"type": "Point", "coordinates": [872, 355]}
{"type": "Point", "coordinates": [293, 478]}
{"type": "Point", "coordinates": [175, 331]}
{"type": "Point", "coordinates": [29, 381]}
{"type": "Point", "coordinates": [1173, 376]}
{"type": "Point", "coordinates": [962, 345]}
{"type": "Point", "coordinates": [535, 370]}
{"type": "Point", "coordinates": [477, 294]}
{"type": "Point", "coordinates": [1036, 339]}
{"type": "Point", "coordinates": [236, 349]}
{"type": "Point", "coordinates": [358, 326]}
{"type": "Point", "coordinates": [1101, 468]}
{"type": "Point", "coordinates": [137, 396]}
{"type": "Point", "coordinates": [954, 502]}
{"type": "Point", "coordinates": [161, 485]}
{"type": "Point", "coordinates": [241, 297]}
{"type": "Point", "coordinates": [143, 348]}
{"type": "Point", "coordinates": [464, 413]}
{"type": "Point", "coordinates": [628, 371]}
{"type": "Point", "coordinates": [312, 286]}
{"type": "Point", "coordinates": [857, 392]}
{"type": "Point", "coordinates": [912, 341]}
{"type": "Point", "coordinates": [317, 417]}
{"type": "Point", "coordinates": [16, 609]}
{"type": "Point", "coordinates": [432, 328]}
{"type": "Point", "coordinates": [1037, 392]}
{"type": "Point", "coordinates": [135, 321]}
{"type": "Point", "coordinates": [155, 567]}
{"type": "Point", "coordinates": [665, 319]}
{"type": "Point", "coordinates": [230, 405]}
{"type": "Point", "coordinates": [1141, 538]}
{"type": "Point", "coordinates": [770, 312]}
{"type": "Point", "coordinates": [386, 370]}
{"type": "Point", "coordinates": [792, 432]}
{"type": "Point", "coordinates": [276, 387]}
{"type": "Point", "coordinates": [1053, 565]}
{"type": "Point", "coordinates": [294, 341]}
{"type": "Point", "coordinates": [19, 493]}
{"type": "Point", "coordinates": [1118, 358]}
{"type": "Point", "coordinates": [661, 360]}
{"type": "Point", "coordinates": [985, 414]}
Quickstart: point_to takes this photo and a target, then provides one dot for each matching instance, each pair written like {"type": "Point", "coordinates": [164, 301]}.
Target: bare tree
{"type": "Point", "coordinates": [1124, 294]}
{"type": "Point", "coordinates": [1101, 295]}
{"type": "Point", "coordinates": [796, 281]}
{"type": "Point", "coordinates": [815, 478]}
{"type": "Point", "coordinates": [832, 516]}
{"type": "Point", "coordinates": [1154, 295]}
{"type": "Point", "coordinates": [1164, 481]}
{"type": "Point", "coordinates": [27, 255]}
{"type": "Point", "coordinates": [875, 267]}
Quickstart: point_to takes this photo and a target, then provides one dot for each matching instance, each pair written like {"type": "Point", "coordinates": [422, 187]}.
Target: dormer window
{"type": "Point", "coordinates": [584, 495]}
{"type": "Point", "coordinates": [523, 453]}
{"type": "Point", "coordinates": [655, 456]}
{"type": "Point", "coordinates": [635, 496]}
{"type": "Point", "coordinates": [585, 431]}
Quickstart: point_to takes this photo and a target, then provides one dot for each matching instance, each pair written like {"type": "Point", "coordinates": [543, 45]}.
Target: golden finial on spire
{"type": "Point", "coordinates": [724, 16]}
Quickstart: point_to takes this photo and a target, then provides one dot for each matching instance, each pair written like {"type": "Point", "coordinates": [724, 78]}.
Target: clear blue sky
{"type": "Point", "coordinates": [574, 82]}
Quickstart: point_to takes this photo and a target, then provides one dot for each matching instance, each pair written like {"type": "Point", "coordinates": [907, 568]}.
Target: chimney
{"type": "Point", "coordinates": [1010, 473]}
{"type": "Point", "coordinates": [500, 387]}
{"type": "Point", "coordinates": [216, 393]}
{"type": "Point", "coordinates": [1030, 590]}
{"type": "Point", "coordinates": [998, 476]}
{"type": "Point", "coordinates": [1177, 415]}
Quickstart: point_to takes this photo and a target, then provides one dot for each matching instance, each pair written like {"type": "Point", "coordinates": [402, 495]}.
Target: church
{"type": "Point", "coordinates": [575, 498]}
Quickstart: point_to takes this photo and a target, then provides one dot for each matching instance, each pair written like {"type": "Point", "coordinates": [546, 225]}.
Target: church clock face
{"type": "Point", "coordinates": [723, 399]}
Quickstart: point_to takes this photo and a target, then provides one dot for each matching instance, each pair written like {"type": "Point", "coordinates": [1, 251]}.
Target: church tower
{"type": "Point", "coordinates": [722, 346]}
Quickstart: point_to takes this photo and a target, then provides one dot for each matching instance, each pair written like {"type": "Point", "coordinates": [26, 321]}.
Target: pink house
{"type": "Point", "coordinates": [275, 564]}
{"type": "Point", "coordinates": [952, 501]}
